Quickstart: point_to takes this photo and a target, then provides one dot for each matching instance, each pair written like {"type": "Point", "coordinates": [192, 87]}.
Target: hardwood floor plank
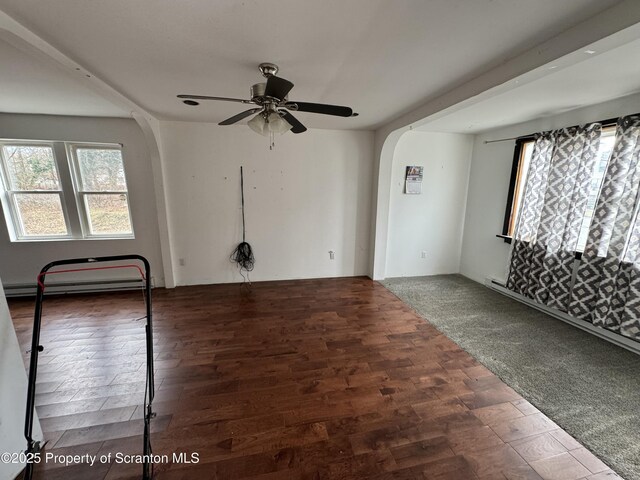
{"type": "Point", "coordinates": [109, 431]}
{"type": "Point", "coordinates": [495, 460]}
{"type": "Point", "coordinates": [524, 427]}
{"type": "Point", "coordinates": [538, 447]}
{"type": "Point", "coordinates": [68, 408]}
{"type": "Point", "coordinates": [560, 467]}
{"type": "Point", "coordinates": [498, 413]}
{"type": "Point", "coordinates": [87, 419]}
{"type": "Point", "coordinates": [589, 460]}
{"type": "Point", "coordinates": [424, 451]}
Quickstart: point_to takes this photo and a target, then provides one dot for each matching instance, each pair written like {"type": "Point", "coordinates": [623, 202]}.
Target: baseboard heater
{"type": "Point", "coordinates": [63, 288]}
{"type": "Point", "coordinates": [603, 333]}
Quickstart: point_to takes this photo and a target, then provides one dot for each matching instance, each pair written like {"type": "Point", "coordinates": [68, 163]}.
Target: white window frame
{"type": "Point", "coordinates": [9, 202]}
{"type": "Point", "coordinates": [81, 194]}
{"type": "Point", "coordinates": [72, 196]}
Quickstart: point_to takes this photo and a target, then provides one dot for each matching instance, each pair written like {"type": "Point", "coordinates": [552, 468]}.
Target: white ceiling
{"type": "Point", "coordinates": [597, 78]}
{"type": "Point", "coordinates": [381, 57]}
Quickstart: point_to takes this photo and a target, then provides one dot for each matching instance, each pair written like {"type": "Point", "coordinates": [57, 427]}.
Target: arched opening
{"type": "Point", "coordinates": [419, 234]}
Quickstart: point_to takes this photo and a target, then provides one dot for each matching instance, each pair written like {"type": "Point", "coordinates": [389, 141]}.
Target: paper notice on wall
{"type": "Point", "coordinates": [413, 180]}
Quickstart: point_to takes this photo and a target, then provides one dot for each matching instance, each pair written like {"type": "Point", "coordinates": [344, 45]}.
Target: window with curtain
{"type": "Point", "coordinates": [552, 212]}
{"type": "Point", "coordinates": [579, 195]}
{"type": "Point", "coordinates": [607, 287]}
{"type": "Point", "coordinates": [523, 154]}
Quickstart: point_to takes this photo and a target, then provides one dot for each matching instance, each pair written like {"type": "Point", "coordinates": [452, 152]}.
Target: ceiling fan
{"type": "Point", "coordinates": [273, 107]}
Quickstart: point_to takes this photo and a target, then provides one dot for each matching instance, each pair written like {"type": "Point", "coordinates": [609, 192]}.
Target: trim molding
{"type": "Point", "coordinates": [64, 288]}
{"type": "Point", "coordinates": [603, 333]}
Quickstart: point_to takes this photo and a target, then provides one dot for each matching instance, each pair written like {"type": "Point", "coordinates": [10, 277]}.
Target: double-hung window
{"type": "Point", "coordinates": [34, 196]}
{"type": "Point", "coordinates": [58, 191]}
{"type": "Point", "coordinates": [101, 190]}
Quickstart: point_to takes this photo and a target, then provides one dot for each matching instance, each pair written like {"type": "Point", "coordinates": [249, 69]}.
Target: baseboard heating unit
{"type": "Point", "coordinates": [62, 288]}
{"type": "Point", "coordinates": [603, 333]}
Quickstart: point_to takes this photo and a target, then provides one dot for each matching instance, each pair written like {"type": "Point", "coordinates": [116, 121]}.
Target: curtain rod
{"type": "Point", "coordinates": [503, 140]}
{"type": "Point", "coordinates": [605, 123]}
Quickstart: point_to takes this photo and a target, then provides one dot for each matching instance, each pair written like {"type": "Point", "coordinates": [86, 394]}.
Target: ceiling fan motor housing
{"type": "Point", "coordinates": [257, 91]}
{"type": "Point", "coordinates": [257, 94]}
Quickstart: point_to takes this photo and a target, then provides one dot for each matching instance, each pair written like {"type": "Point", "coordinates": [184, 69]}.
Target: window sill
{"type": "Point", "coordinates": [506, 238]}
{"type": "Point", "coordinates": [68, 239]}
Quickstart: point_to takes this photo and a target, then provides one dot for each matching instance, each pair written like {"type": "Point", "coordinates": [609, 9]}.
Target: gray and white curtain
{"type": "Point", "coordinates": [607, 288]}
{"type": "Point", "coordinates": [554, 203]}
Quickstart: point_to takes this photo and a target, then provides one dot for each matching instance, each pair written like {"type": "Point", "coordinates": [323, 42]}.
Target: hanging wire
{"type": "Point", "coordinates": [243, 253]}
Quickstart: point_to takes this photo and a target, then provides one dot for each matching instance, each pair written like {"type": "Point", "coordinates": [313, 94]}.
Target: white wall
{"type": "Point", "coordinates": [311, 194]}
{"type": "Point", "coordinates": [484, 255]}
{"type": "Point", "coordinates": [433, 221]}
{"type": "Point", "coordinates": [13, 394]}
{"type": "Point", "coordinates": [21, 261]}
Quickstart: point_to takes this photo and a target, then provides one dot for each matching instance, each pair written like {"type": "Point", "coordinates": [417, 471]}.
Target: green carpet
{"type": "Point", "coordinates": [586, 385]}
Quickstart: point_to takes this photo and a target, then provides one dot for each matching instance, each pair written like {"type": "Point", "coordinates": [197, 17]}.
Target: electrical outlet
{"type": "Point", "coordinates": [423, 254]}
{"type": "Point", "coordinates": [332, 255]}
{"type": "Point", "coordinates": [181, 262]}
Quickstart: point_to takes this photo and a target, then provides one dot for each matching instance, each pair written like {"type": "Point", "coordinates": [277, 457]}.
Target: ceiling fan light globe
{"type": "Point", "coordinates": [259, 125]}
{"type": "Point", "coordinates": [277, 124]}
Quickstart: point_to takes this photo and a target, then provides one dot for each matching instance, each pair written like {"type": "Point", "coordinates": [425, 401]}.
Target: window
{"type": "Point", "coordinates": [55, 190]}
{"type": "Point", "coordinates": [102, 190]}
{"type": "Point", "coordinates": [607, 140]}
{"type": "Point", "coordinates": [34, 193]}
{"type": "Point", "coordinates": [520, 169]}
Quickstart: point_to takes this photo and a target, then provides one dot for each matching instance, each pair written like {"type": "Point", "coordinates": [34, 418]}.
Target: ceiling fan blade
{"type": "Point", "coordinates": [296, 126]}
{"type": "Point", "coordinates": [277, 87]}
{"type": "Point", "coordinates": [239, 116]}
{"type": "Point", "coordinates": [324, 109]}
{"type": "Point", "coordinates": [205, 97]}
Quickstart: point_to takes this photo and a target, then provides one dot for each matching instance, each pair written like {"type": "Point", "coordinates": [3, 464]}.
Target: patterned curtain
{"type": "Point", "coordinates": [554, 202]}
{"type": "Point", "coordinates": [607, 288]}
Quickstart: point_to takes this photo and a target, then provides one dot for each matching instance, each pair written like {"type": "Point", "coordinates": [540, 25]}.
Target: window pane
{"type": "Point", "coordinates": [108, 214]}
{"type": "Point", "coordinates": [101, 170]}
{"type": "Point", "coordinates": [521, 179]}
{"type": "Point", "coordinates": [602, 161]}
{"type": "Point", "coordinates": [31, 167]}
{"type": "Point", "coordinates": [41, 214]}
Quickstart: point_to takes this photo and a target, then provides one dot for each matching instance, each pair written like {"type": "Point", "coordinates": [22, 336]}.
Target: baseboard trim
{"type": "Point", "coordinates": [64, 288]}
{"type": "Point", "coordinates": [603, 333]}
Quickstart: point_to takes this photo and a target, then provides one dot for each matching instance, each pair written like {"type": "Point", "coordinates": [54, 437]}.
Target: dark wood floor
{"type": "Point", "coordinates": [312, 379]}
